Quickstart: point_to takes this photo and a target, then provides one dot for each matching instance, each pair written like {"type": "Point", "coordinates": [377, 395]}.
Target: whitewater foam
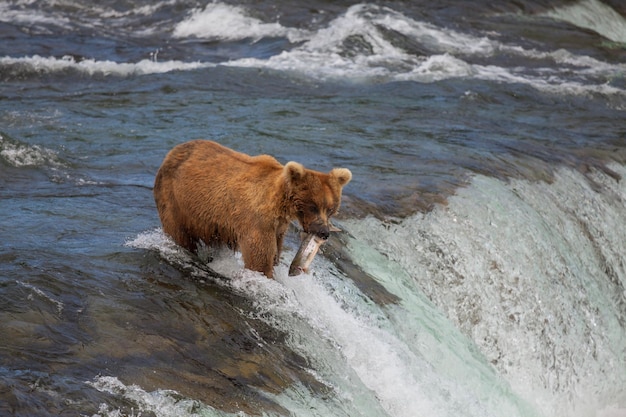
{"type": "Point", "coordinates": [545, 80]}
{"type": "Point", "coordinates": [594, 15]}
{"type": "Point", "coordinates": [533, 274]}
{"type": "Point", "coordinates": [324, 55]}
{"type": "Point", "coordinates": [23, 155]}
{"type": "Point", "coordinates": [357, 347]}
{"type": "Point", "coordinates": [158, 241]}
{"type": "Point", "coordinates": [366, 44]}
{"type": "Point", "coordinates": [31, 17]}
{"type": "Point", "coordinates": [226, 22]}
{"type": "Point", "coordinates": [39, 64]}
{"type": "Point", "coordinates": [145, 10]}
{"type": "Point", "coordinates": [161, 403]}
{"type": "Point", "coordinates": [443, 40]}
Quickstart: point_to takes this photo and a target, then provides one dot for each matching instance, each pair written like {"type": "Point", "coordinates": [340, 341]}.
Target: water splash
{"type": "Point", "coordinates": [594, 15]}
{"type": "Point", "coordinates": [356, 347]}
{"type": "Point", "coordinates": [227, 22]}
{"type": "Point", "coordinates": [370, 43]}
{"type": "Point", "coordinates": [532, 273]}
{"type": "Point", "coordinates": [161, 403]}
{"type": "Point", "coordinates": [37, 65]}
{"type": "Point", "coordinates": [20, 154]}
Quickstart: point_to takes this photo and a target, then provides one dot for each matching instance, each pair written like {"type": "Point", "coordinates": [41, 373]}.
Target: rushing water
{"type": "Point", "coordinates": [481, 270]}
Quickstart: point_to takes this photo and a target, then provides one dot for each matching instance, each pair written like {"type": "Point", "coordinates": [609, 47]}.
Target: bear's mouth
{"type": "Point", "coordinates": [321, 230]}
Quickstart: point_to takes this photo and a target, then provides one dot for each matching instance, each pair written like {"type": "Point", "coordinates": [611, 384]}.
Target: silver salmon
{"type": "Point", "coordinates": [308, 248]}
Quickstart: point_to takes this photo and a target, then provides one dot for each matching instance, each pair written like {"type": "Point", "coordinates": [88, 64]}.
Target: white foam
{"type": "Point", "coordinates": [352, 344]}
{"type": "Point", "coordinates": [226, 22]}
{"type": "Point", "coordinates": [594, 15]}
{"type": "Point", "coordinates": [520, 268]}
{"type": "Point", "coordinates": [612, 411]}
{"type": "Point", "coordinates": [31, 17]}
{"type": "Point", "coordinates": [91, 67]}
{"type": "Point", "coordinates": [87, 15]}
{"type": "Point", "coordinates": [444, 40]}
{"type": "Point", "coordinates": [145, 10]}
{"type": "Point", "coordinates": [224, 262]}
{"type": "Point", "coordinates": [546, 80]}
{"type": "Point", "coordinates": [324, 56]}
{"type": "Point", "coordinates": [161, 403]}
{"type": "Point", "coordinates": [381, 361]}
{"type": "Point", "coordinates": [158, 241]}
{"type": "Point", "coordinates": [23, 155]}
{"type": "Point", "coordinates": [375, 367]}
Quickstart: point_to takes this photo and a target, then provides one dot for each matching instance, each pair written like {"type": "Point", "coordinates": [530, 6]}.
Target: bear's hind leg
{"type": "Point", "coordinates": [259, 254]}
{"type": "Point", "coordinates": [183, 238]}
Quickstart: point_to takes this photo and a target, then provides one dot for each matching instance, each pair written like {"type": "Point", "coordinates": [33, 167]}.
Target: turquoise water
{"type": "Point", "coordinates": [481, 269]}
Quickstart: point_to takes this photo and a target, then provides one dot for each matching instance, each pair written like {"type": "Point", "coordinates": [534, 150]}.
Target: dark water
{"type": "Point", "coordinates": [481, 272]}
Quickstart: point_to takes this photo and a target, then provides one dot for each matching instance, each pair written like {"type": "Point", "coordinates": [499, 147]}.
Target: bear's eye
{"type": "Point", "coordinates": [311, 209]}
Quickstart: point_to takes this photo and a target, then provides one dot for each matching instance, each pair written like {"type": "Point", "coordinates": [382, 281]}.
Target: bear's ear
{"type": "Point", "coordinates": [342, 175]}
{"type": "Point", "coordinates": [294, 171]}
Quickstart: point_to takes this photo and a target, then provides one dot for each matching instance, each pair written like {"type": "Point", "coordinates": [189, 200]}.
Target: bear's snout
{"type": "Point", "coordinates": [320, 230]}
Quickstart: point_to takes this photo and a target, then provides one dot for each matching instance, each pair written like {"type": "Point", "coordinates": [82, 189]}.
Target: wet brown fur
{"type": "Point", "coordinates": [205, 191]}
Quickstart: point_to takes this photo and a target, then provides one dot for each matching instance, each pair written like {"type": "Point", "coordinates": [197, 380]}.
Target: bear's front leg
{"type": "Point", "coordinates": [259, 252]}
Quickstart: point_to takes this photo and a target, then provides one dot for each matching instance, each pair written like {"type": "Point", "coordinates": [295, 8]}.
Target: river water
{"type": "Point", "coordinates": [481, 268]}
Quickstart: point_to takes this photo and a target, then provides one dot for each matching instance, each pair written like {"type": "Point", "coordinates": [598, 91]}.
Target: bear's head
{"type": "Point", "coordinates": [315, 196]}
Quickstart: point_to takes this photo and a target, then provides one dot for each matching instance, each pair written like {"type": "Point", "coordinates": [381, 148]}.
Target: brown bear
{"type": "Point", "coordinates": [205, 191]}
